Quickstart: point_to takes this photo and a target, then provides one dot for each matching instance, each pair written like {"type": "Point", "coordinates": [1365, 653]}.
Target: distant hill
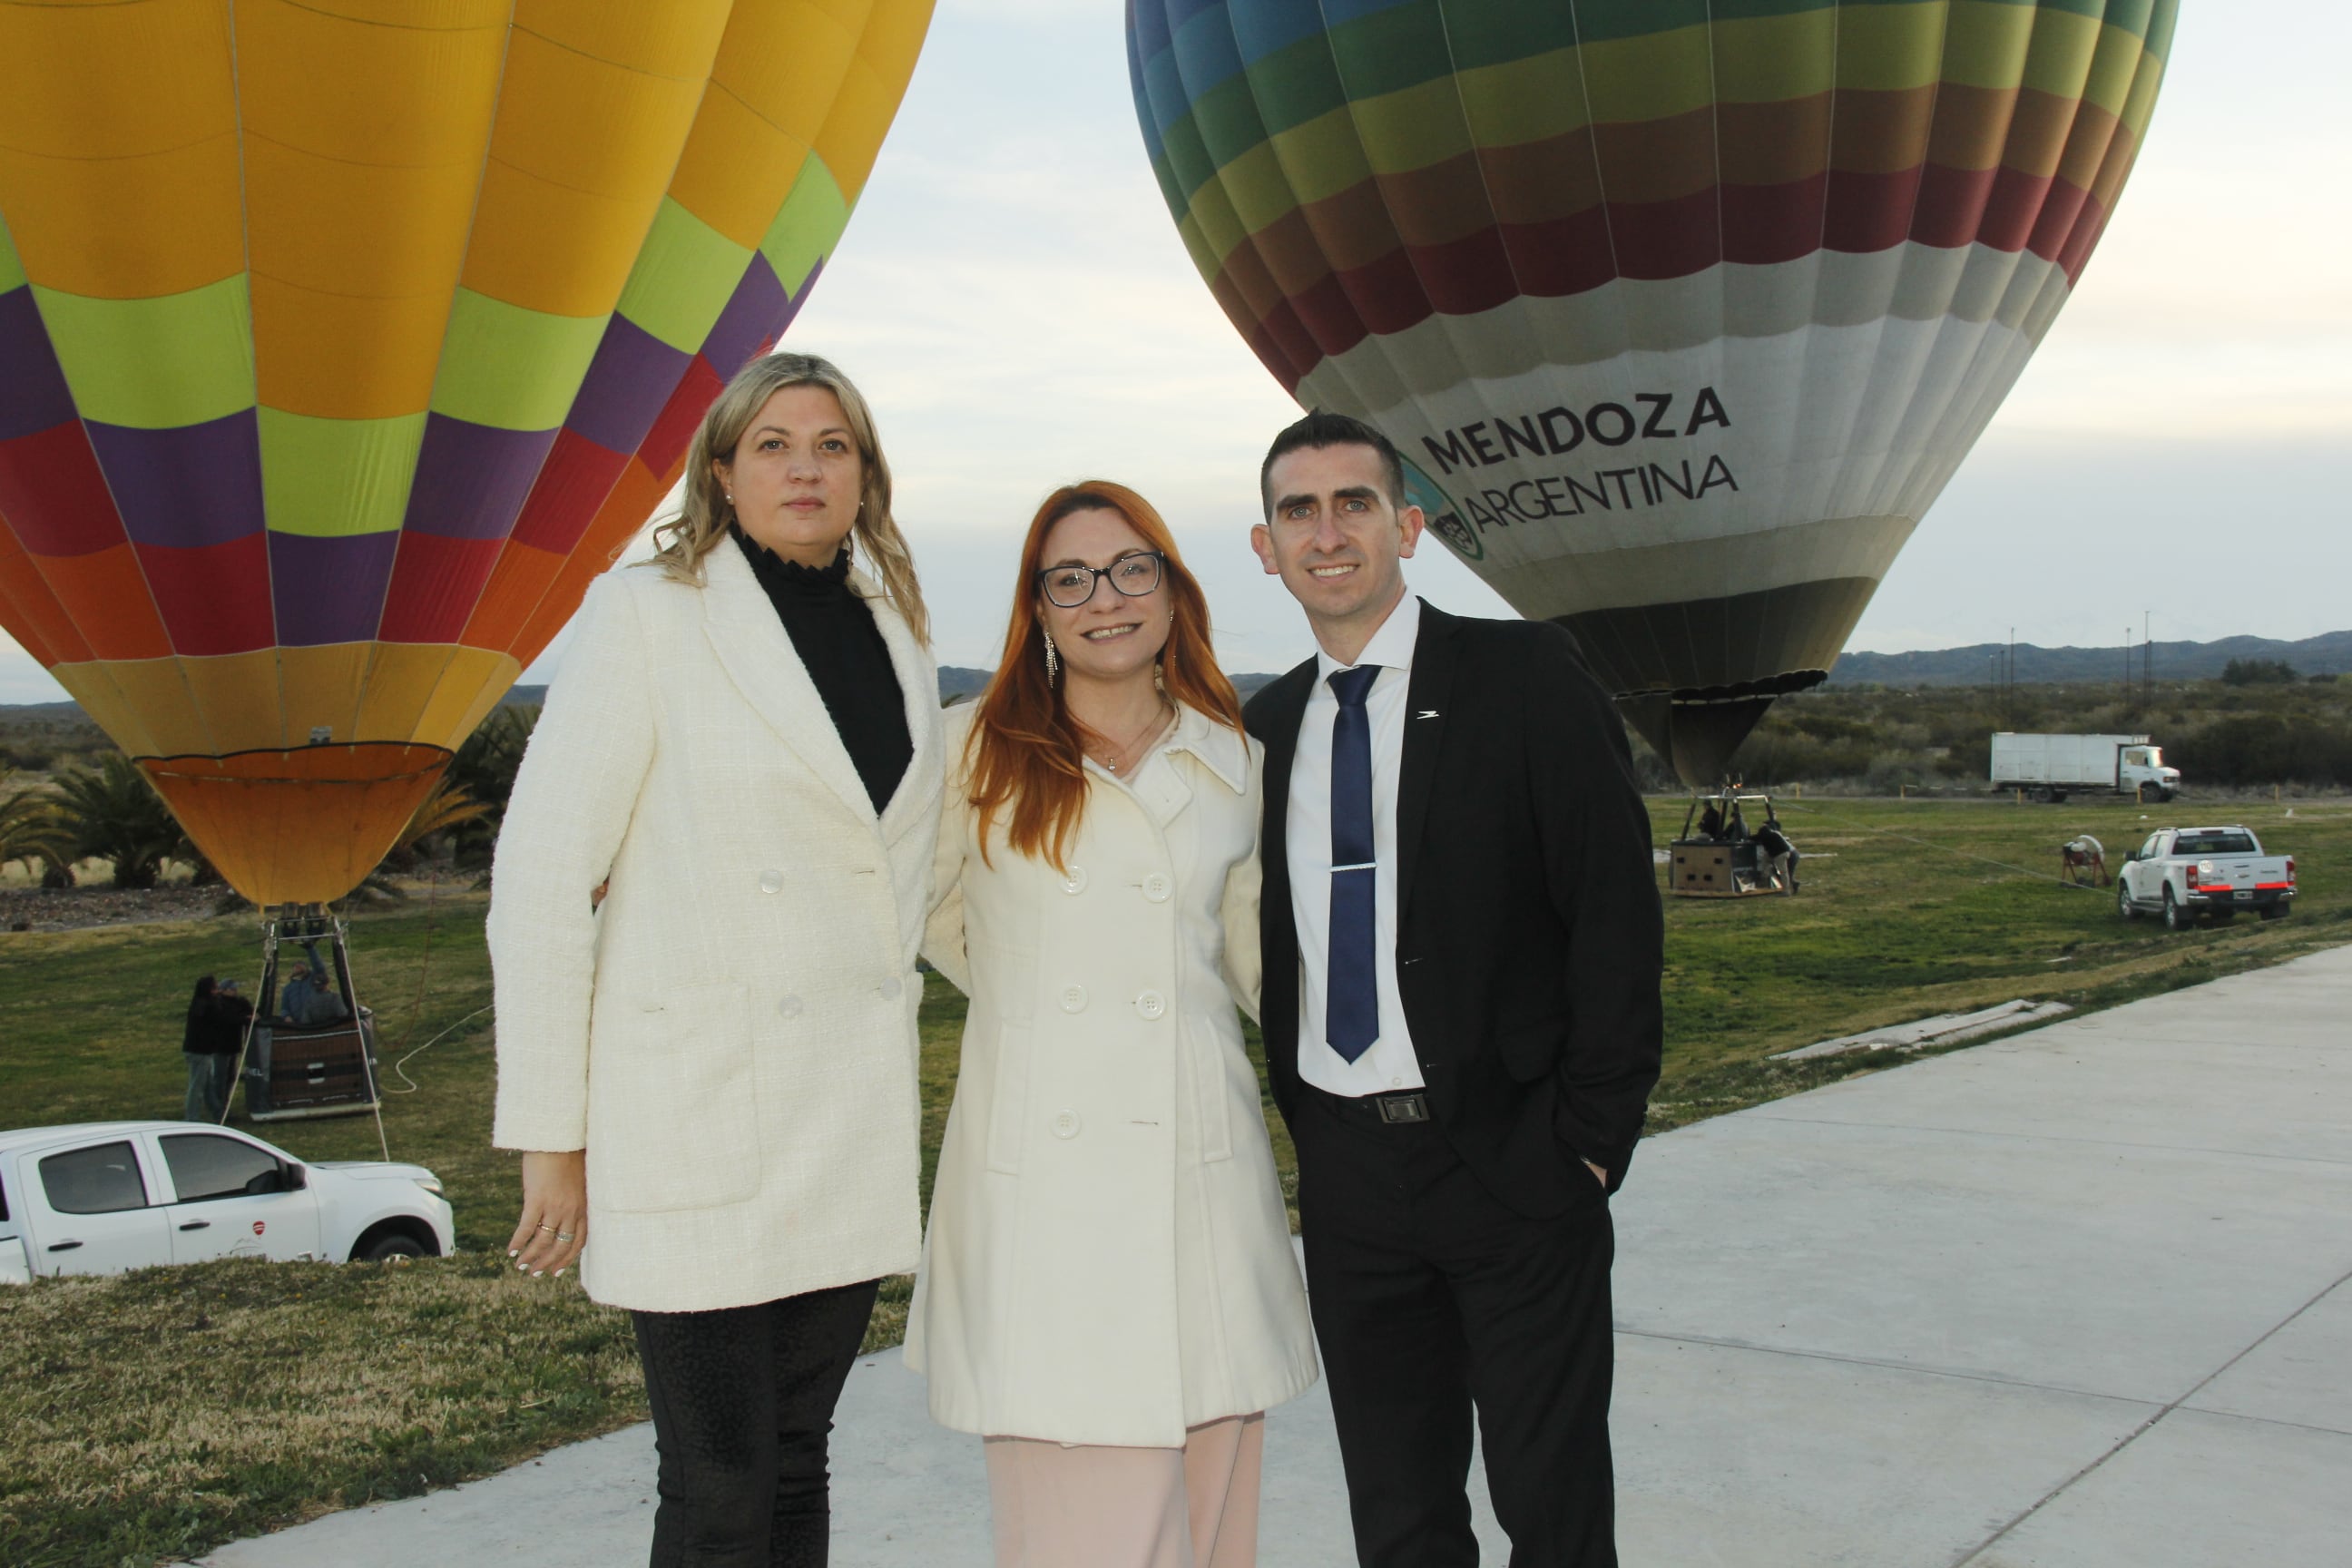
{"type": "Point", "coordinates": [955, 681]}
{"type": "Point", "coordinates": [1972, 666]}
{"type": "Point", "coordinates": [2328, 654]}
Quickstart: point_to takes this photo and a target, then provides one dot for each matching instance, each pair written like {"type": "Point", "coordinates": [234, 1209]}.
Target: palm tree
{"type": "Point", "coordinates": [112, 813]}
{"type": "Point", "coordinates": [30, 829]}
{"type": "Point", "coordinates": [484, 769]}
{"type": "Point", "coordinates": [446, 807]}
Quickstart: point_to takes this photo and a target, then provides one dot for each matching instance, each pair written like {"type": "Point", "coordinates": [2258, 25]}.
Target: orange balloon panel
{"type": "Point", "coordinates": [300, 826]}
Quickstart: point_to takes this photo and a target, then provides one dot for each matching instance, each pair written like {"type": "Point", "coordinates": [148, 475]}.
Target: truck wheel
{"type": "Point", "coordinates": [2142, 795]}
{"type": "Point", "coordinates": [393, 1246]}
{"type": "Point", "coordinates": [2124, 905]}
{"type": "Point", "coordinates": [2176, 918]}
{"type": "Point", "coordinates": [2275, 911]}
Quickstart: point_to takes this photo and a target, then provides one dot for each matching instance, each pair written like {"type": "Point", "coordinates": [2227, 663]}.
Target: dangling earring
{"type": "Point", "coordinates": [1157, 683]}
{"type": "Point", "coordinates": [1051, 663]}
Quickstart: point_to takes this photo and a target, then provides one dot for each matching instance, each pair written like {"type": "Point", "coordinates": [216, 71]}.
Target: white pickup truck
{"type": "Point", "coordinates": [2181, 873]}
{"type": "Point", "coordinates": [109, 1195]}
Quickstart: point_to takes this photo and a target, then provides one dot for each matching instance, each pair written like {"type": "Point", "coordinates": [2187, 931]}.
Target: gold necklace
{"type": "Point", "coordinates": [1153, 727]}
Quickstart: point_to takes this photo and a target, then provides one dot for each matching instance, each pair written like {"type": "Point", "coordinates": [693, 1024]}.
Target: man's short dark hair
{"type": "Point", "coordinates": [1320, 429]}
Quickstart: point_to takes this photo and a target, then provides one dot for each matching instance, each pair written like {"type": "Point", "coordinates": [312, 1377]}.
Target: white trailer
{"type": "Point", "coordinates": [2048, 767]}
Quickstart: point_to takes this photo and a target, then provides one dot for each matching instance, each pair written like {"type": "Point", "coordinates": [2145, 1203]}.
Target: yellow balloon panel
{"type": "Point", "coordinates": [737, 168]}
{"type": "Point", "coordinates": [785, 61]}
{"type": "Point", "coordinates": [116, 81]}
{"type": "Point", "coordinates": [583, 151]}
{"type": "Point", "coordinates": [396, 95]}
{"type": "Point", "coordinates": [345, 356]}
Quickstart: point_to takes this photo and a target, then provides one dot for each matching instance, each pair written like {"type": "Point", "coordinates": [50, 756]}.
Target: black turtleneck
{"type": "Point", "coordinates": [834, 632]}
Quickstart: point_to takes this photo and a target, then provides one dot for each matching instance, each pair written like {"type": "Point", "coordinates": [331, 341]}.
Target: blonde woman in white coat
{"type": "Point", "coordinates": [1109, 1294]}
{"type": "Point", "coordinates": [713, 1074]}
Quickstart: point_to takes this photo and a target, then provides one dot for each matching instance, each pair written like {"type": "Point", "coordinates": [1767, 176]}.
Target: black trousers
{"type": "Point", "coordinates": [1430, 1295]}
{"type": "Point", "coordinates": [743, 1402]}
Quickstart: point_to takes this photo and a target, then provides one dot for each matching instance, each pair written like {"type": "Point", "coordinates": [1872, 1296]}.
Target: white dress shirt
{"type": "Point", "coordinates": [1390, 1065]}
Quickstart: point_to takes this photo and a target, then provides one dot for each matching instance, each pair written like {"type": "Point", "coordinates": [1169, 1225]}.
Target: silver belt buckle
{"type": "Point", "coordinates": [1397, 1107]}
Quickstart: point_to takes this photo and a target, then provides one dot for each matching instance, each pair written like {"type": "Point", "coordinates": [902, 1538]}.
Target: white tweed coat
{"type": "Point", "coordinates": [1108, 1259]}
{"type": "Point", "coordinates": [731, 1034]}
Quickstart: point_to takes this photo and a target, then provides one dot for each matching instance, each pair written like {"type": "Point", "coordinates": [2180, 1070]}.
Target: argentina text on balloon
{"type": "Point", "coordinates": [1610, 489]}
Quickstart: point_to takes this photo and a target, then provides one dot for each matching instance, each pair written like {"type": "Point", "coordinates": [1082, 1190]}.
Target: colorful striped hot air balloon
{"type": "Point", "coordinates": [1684, 309]}
{"type": "Point", "coordinates": [342, 343]}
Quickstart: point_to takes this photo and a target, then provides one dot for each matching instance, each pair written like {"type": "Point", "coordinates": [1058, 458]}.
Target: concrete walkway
{"type": "Point", "coordinates": [2074, 1299]}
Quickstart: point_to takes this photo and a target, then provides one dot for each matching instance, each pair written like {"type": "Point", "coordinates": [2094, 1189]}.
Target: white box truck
{"type": "Point", "coordinates": [2048, 767]}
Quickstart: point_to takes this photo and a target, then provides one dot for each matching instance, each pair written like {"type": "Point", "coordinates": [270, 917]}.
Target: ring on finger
{"type": "Point", "coordinates": [562, 1236]}
{"type": "Point", "coordinates": [549, 1228]}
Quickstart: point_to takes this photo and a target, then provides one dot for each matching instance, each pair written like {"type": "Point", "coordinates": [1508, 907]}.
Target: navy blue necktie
{"type": "Point", "coordinates": [1351, 1005]}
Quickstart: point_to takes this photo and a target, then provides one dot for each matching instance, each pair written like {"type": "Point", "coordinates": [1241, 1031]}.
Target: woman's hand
{"type": "Point", "coordinates": [554, 1224]}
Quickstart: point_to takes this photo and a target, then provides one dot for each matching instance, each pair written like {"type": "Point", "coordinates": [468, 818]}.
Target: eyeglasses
{"type": "Point", "coordinates": [1133, 575]}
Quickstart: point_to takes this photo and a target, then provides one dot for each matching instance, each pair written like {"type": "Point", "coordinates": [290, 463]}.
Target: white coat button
{"type": "Point", "coordinates": [1065, 1124]}
{"type": "Point", "coordinates": [1073, 998]}
{"type": "Point", "coordinates": [790, 1006]}
{"type": "Point", "coordinates": [891, 989]}
{"type": "Point", "coordinates": [1157, 888]}
{"type": "Point", "coordinates": [1151, 1004]}
{"type": "Point", "coordinates": [1073, 880]}
{"type": "Point", "coordinates": [772, 881]}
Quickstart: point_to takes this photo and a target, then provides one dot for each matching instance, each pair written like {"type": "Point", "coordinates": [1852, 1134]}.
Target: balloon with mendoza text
{"type": "Point", "coordinates": [1683, 311]}
{"type": "Point", "coordinates": [343, 341]}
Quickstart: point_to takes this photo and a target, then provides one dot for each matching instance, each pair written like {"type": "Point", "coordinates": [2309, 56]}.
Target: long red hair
{"type": "Point", "coordinates": [1024, 757]}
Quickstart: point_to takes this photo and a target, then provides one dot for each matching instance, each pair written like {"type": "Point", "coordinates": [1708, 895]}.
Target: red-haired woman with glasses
{"type": "Point", "coordinates": [1109, 1294]}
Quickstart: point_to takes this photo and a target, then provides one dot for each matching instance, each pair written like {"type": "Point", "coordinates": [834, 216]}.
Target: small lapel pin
{"type": "Point", "coordinates": [1426, 714]}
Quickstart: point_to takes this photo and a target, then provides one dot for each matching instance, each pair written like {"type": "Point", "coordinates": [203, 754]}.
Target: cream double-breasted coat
{"type": "Point", "coordinates": [731, 1034]}
{"type": "Point", "coordinates": [1108, 1259]}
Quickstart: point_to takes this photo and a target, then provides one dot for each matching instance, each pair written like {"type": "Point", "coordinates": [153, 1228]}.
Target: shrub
{"type": "Point", "coordinates": [112, 813]}
{"type": "Point", "coordinates": [483, 773]}
{"type": "Point", "coordinates": [30, 828]}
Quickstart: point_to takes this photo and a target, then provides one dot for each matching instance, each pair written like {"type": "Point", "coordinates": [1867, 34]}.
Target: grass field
{"type": "Point", "coordinates": [157, 1413]}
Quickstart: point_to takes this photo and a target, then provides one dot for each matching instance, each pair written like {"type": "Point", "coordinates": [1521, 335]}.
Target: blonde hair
{"type": "Point", "coordinates": [701, 522]}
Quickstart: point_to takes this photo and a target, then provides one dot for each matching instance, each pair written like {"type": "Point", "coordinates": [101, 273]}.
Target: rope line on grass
{"type": "Point", "coordinates": [1931, 844]}
{"type": "Point", "coordinates": [402, 1061]}
{"type": "Point", "coordinates": [424, 974]}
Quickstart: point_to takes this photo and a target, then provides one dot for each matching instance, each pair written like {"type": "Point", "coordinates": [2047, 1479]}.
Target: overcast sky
{"type": "Point", "coordinates": [1013, 299]}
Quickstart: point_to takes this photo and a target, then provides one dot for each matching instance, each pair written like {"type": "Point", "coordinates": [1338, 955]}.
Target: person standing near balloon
{"type": "Point", "coordinates": [208, 1079]}
{"type": "Point", "coordinates": [1109, 1294]}
{"type": "Point", "coordinates": [713, 1074]}
{"type": "Point", "coordinates": [1463, 947]}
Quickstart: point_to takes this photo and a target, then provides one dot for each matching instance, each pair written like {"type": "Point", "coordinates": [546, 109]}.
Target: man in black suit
{"type": "Point", "coordinates": [1462, 951]}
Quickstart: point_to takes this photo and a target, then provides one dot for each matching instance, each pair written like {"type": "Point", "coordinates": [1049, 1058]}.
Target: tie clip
{"type": "Point", "coordinates": [1359, 866]}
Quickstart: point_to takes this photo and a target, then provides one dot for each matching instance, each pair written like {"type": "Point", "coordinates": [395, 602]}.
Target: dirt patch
{"type": "Point", "coordinates": [80, 908]}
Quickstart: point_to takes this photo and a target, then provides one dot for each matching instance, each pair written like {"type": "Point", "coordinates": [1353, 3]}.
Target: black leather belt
{"type": "Point", "coordinates": [1388, 1109]}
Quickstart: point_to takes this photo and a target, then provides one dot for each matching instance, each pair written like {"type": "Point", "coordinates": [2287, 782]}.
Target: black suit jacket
{"type": "Point", "coordinates": [1529, 939]}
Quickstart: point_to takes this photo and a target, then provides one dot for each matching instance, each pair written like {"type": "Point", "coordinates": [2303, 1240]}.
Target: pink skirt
{"type": "Point", "coordinates": [1085, 1507]}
